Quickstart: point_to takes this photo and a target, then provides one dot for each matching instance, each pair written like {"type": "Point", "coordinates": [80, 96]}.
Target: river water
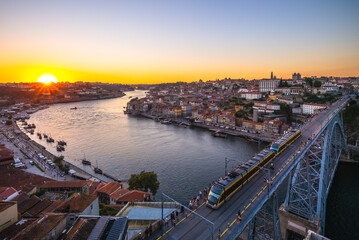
{"type": "Point", "coordinates": [185, 159]}
{"type": "Point", "coordinates": [343, 203]}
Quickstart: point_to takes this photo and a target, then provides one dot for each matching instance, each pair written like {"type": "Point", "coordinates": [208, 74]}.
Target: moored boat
{"type": "Point", "coordinates": [61, 143]}
{"type": "Point", "coordinates": [165, 122]}
{"type": "Point", "coordinates": [86, 162]}
{"type": "Point", "coordinates": [60, 148]}
{"type": "Point", "coordinates": [219, 134]}
{"type": "Point", "coordinates": [98, 170]}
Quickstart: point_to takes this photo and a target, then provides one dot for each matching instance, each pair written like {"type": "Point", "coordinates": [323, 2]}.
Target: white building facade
{"type": "Point", "coordinates": [310, 108]}
{"type": "Point", "coordinates": [267, 85]}
{"type": "Point", "coordinates": [251, 95]}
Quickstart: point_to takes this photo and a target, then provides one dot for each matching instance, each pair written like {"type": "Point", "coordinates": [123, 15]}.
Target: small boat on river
{"type": "Point", "coordinates": [60, 148]}
{"type": "Point", "coordinates": [219, 134]}
{"type": "Point", "coordinates": [61, 143]}
{"type": "Point", "coordinates": [86, 162]}
{"type": "Point", "coordinates": [97, 170]}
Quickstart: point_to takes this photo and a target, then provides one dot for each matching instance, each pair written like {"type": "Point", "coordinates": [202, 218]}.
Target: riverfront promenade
{"type": "Point", "coordinates": [27, 150]}
{"type": "Point", "coordinates": [235, 131]}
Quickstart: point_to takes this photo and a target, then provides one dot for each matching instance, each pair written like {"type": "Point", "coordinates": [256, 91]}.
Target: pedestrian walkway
{"type": "Point", "coordinates": [183, 214]}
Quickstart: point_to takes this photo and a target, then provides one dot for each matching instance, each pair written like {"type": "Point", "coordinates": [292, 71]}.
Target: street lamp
{"type": "Point", "coordinates": [226, 161]}
{"type": "Point", "coordinates": [267, 171]}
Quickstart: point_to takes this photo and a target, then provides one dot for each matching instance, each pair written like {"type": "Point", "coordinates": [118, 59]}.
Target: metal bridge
{"type": "Point", "coordinates": [308, 165]}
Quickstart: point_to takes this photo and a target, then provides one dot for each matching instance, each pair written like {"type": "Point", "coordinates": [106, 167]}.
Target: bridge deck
{"type": "Point", "coordinates": [249, 196]}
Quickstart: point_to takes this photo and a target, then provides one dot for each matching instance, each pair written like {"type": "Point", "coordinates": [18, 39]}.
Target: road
{"type": "Point", "coordinates": [245, 199]}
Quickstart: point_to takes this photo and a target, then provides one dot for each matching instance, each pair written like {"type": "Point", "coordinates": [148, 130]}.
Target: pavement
{"type": "Point", "coordinates": [21, 144]}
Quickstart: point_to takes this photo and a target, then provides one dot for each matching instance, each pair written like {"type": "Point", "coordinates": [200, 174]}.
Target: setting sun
{"type": "Point", "coordinates": [47, 78]}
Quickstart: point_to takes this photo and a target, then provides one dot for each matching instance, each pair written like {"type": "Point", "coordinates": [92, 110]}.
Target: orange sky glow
{"type": "Point", "coordinates": [146, 43]}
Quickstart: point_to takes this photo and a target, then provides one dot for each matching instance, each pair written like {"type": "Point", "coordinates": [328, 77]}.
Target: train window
{"type": "Point", "coordinates": [217, 189]}
{"type": "Point", "coordinates": [275, 146]}
{"type": "Point", "coordinates": [212, 199]}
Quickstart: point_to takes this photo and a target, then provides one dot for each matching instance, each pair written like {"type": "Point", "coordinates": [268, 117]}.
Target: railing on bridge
{"type": "Point", "coordinates": [311, 171]}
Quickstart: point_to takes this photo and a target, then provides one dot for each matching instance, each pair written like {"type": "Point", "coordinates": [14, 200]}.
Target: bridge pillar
{"type": "Point", "coordinates": [265, 224]}
{"type": "Point", "coordinates": [310, 181]}
{"type": "Point", "coordinates": [296, 227]}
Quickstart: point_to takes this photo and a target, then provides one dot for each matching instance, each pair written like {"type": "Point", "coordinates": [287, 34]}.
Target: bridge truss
{"type": "Point", "coordinates": [310, 177]}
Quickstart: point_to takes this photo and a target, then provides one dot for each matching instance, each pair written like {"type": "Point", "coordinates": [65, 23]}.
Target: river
{"type": "Point", "coordinates": [185, 159]}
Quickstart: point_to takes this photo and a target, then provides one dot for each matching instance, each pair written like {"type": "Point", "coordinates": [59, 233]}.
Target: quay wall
{"type": "Point", "coordinates": [41, 149]}
{"type": "Point", "coordinates": [252, 136]}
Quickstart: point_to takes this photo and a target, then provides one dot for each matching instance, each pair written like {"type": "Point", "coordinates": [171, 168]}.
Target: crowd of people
{"type": "Point", "coordinates": [196, 200]}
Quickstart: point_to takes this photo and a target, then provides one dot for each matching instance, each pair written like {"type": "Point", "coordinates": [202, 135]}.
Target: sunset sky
{"type": "Point", "coordinates": [154, 41]}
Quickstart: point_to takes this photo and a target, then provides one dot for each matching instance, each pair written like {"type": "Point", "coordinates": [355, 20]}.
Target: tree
{"type": "Point", "coordinates": [144, 181]}
{"type": "Point", "coordinates": [317, 83]}
{"type": "Point", "coordinates": [285, 110]}
{"type": "Point", "coordinates": [309, 81]}
{"type": "Point", "coordinates": [283, 84]}
{"type": "Point", "coordinates": [106, 210]}
{"type": "Point", "coordinates": [241, 114]}
{"type": "Point", "coordinates": [58, 159]}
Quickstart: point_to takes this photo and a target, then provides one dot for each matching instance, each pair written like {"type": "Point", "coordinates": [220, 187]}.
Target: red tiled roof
{"type": "Point", "coordinates": [4, 205]}
{"type": "Point", "coordinates": [110, 188]}
{"type": "Point", "coordinates": [41, 227]}
{"type": "Point", "coordinates": [38, 208]}
{"type": "Point", "coordinates": [6, 193]}
{"type": "Point", "coordinates": [315, 104]}
{"type": "Point", "coordinates": [77, 203]}
{"type": "Point", "coordinates": [93, 186]}
{"type": "Point", "coordinates": [119, 193]}
{"type": "Point", "coordinates": [28, 204]}
{"type": "Point", "coordinates": [20, 198]}
{"type": "Point", "coordinates": [64, 184]}
{"type": "Point", "coordinates": [82, 229]}
{"type": "Point", "coordinates": [15, 228]}
{"type": "Point", "coordinates": [19, 179]}
{"type": "Point", "coordinates": [53, 206]}
{"type": "Point", "coordinates": [6, 154]}
{"type": "Point", "coordinates": [251, 93]}
{"type": "Point", "coordinates": [133, 196]}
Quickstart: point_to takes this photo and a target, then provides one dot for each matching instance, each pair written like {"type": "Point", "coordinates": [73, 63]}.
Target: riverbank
{"type": "Point", "coordinates": [72, 100]}
{"type": "Point", "coordinates": [241, 132]}
{"type": "Point", "coordinates": [28, 150]}
{"type": "Point", "coordinates": [25, 113]}
{"type": "Point", "coordinates": [122, 145]}
{"type": "Point", "coordinates": [35, 148]}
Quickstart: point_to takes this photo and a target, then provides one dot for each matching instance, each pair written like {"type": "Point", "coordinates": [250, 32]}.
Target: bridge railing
{"type": "Point", "coordinates": [262, 196]}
